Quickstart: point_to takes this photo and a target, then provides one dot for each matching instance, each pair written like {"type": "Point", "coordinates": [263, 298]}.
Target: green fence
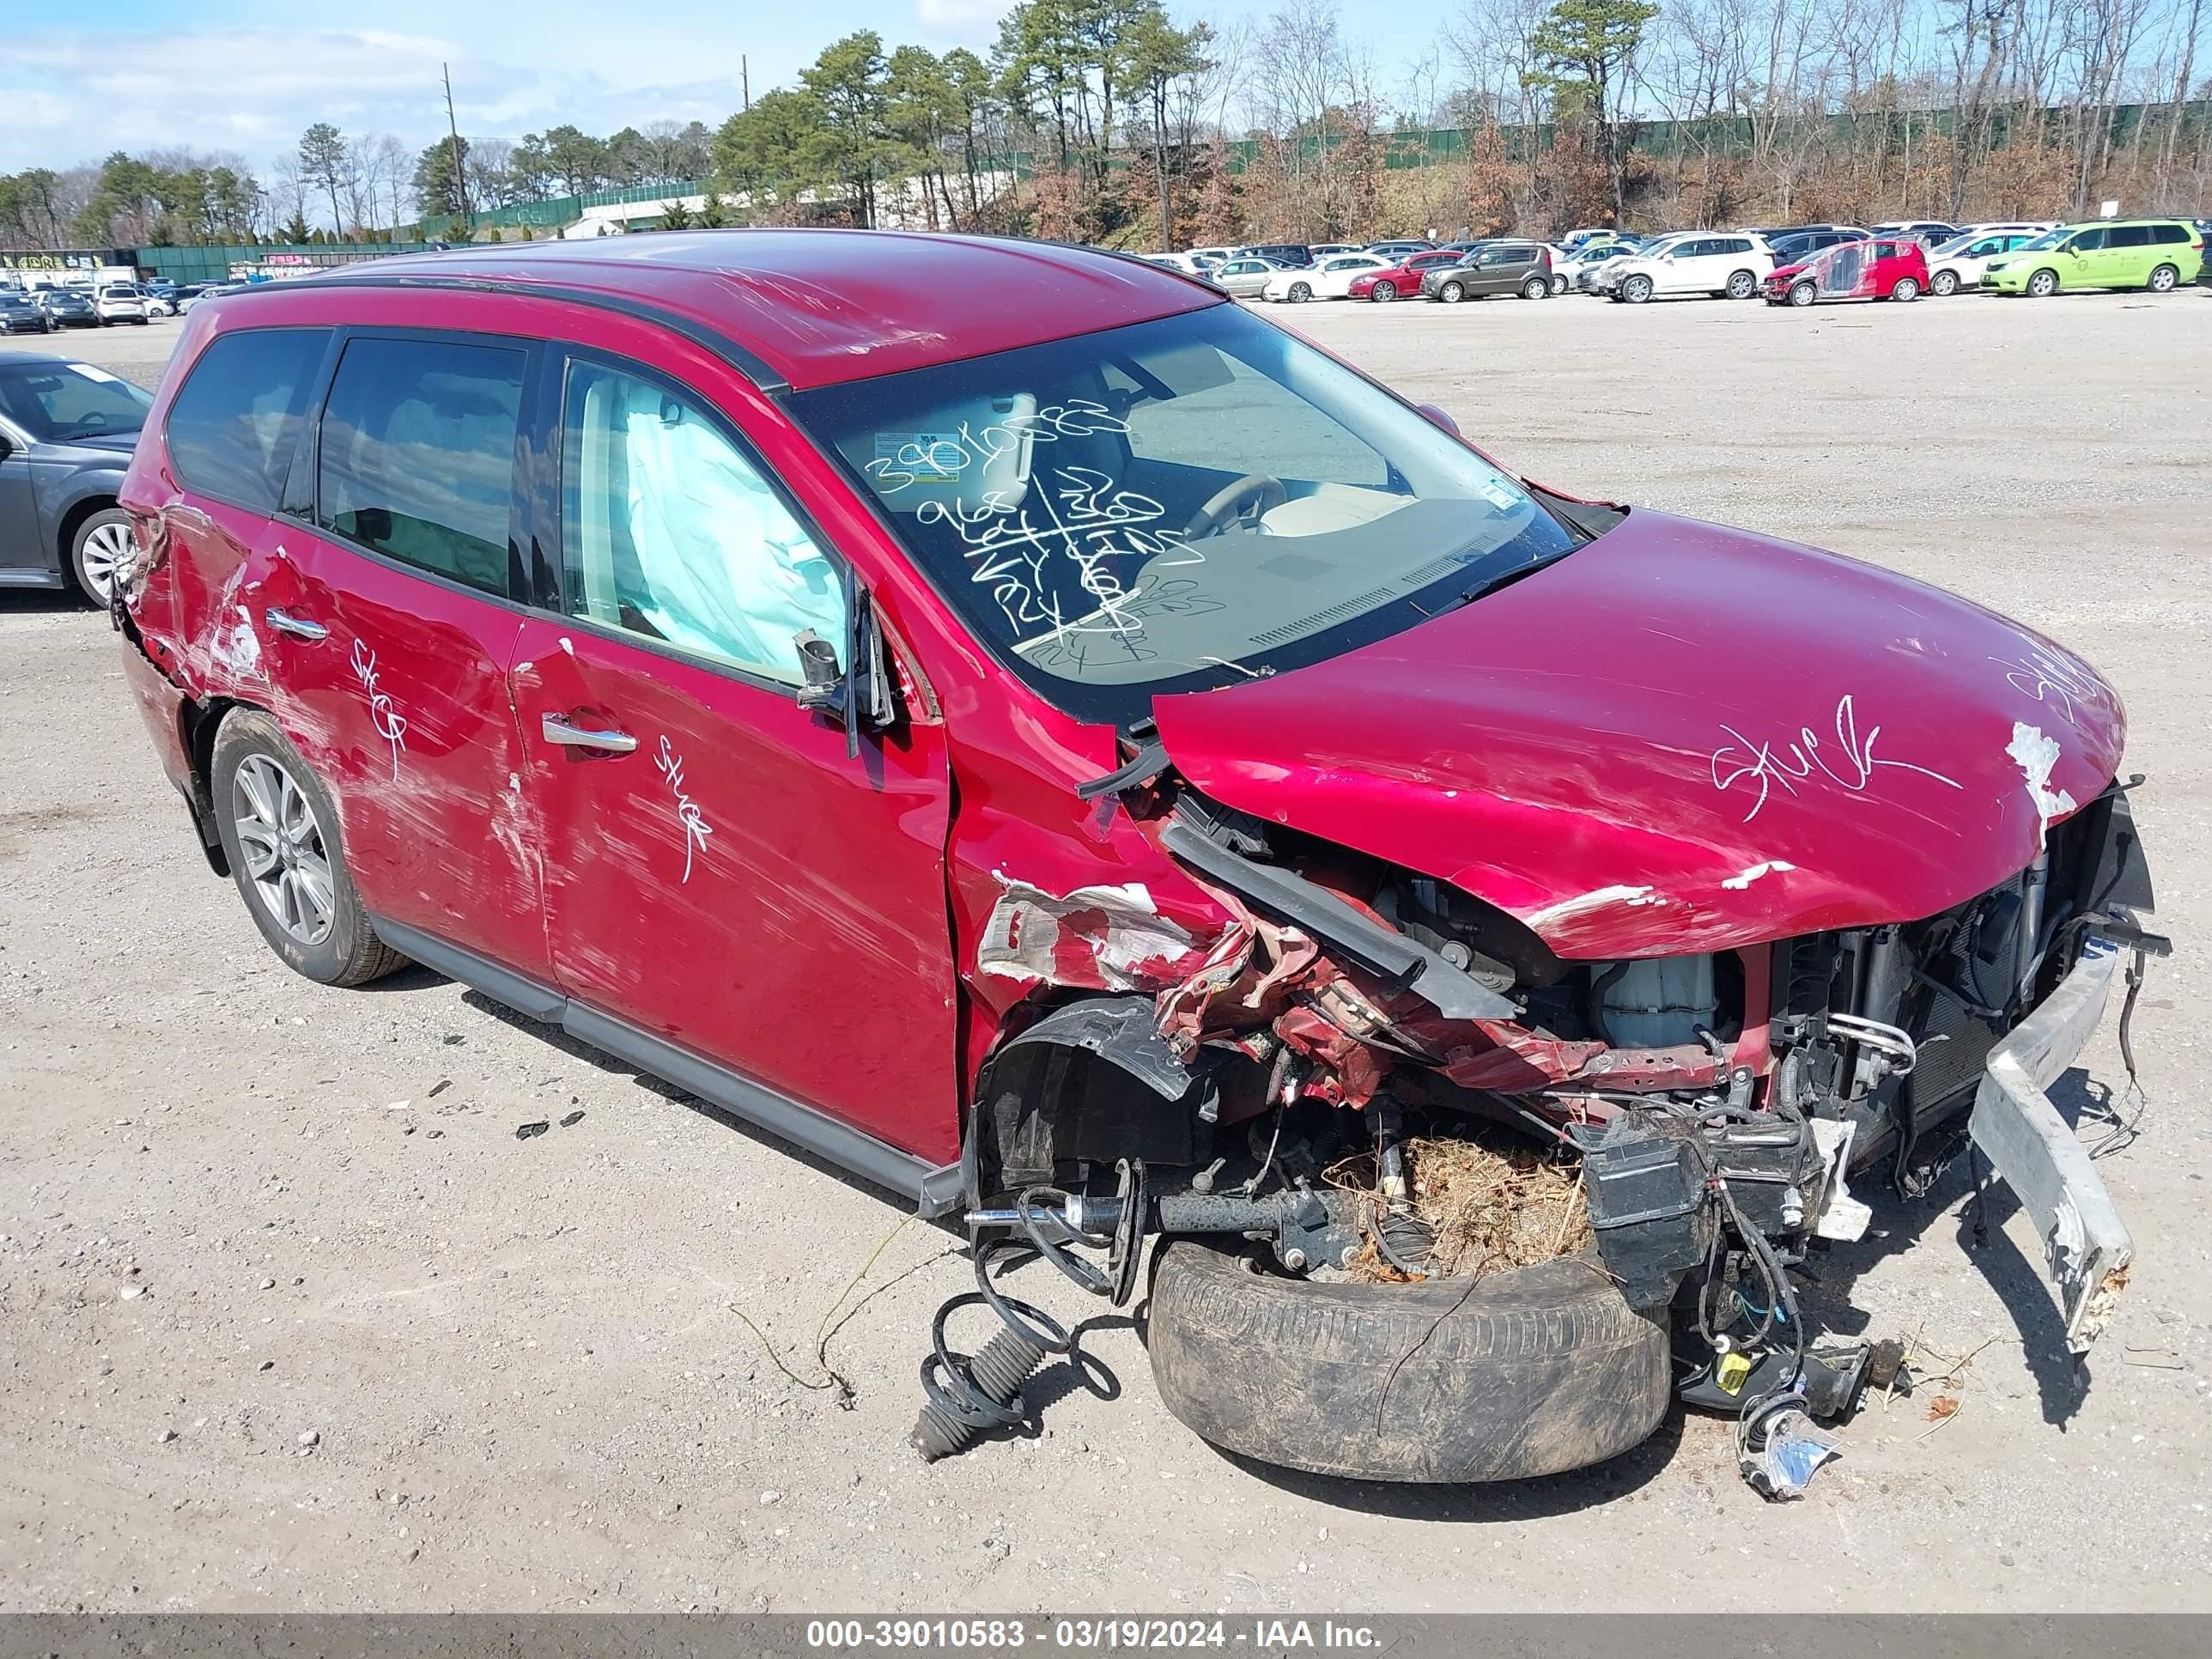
{"type": "Point", "coordinates": [213, 264]}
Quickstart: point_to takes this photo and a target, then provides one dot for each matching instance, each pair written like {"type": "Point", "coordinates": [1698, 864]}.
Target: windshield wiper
{"type": "Point", "coordinates": [1485, 588]}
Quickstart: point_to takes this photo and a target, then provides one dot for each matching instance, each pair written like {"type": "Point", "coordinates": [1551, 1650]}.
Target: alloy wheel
{"type": "Point", "coordinates": [1741, 285]}
{"type": "Point", "coordinates": [1384, 293]}
{"type": "Point", "coordinates": [283, 845]}
{"type": "Point", "coordinates": [103, 552]}
{"type": "Point", "coordinates": [2163, 279]}
{"type": "Point", "coordinates": [1943, 283]}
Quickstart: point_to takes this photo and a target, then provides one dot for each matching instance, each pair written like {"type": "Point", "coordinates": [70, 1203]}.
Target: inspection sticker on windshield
{"type": "Point", "coordinates": [1499, 494]}
{"type": "Point", "coordinates": [925, 457]}
{"type": "Point", "coordinates": [92, 373]}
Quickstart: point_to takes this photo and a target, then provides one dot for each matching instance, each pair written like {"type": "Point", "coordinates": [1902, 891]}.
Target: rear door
{"type": "Point", "coordinates": [722, 872]}
{"type": "Point", "coordinates": [388, 622]}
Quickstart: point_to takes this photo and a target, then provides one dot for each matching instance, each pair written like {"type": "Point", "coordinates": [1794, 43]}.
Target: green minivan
{"type": "Point", "coordinates": [2158, 254]}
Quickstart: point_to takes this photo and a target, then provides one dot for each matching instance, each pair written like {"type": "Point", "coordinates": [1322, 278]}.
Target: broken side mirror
{"type": "Point", "coordinates": [855, 698]}
{"type": "Point", "coordinates": [821, 682]}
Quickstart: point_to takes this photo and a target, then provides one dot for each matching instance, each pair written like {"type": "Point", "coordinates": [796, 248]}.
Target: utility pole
{"type": "Point", "coordinates": [460, 177]}
{"type": "Point", "coordinates": [744, 81]}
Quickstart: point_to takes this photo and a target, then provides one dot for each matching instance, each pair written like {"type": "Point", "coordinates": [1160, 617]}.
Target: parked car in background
{"type": "Point", "coordinates": [1583, 260]}
{"type": "Point", "coordinates": [21, 314]}
{"type": "Point", "coordinates": [1960, 262]}
{"type": "Point", "coordinates": [1929, 233]}
{"type": "Point", "coordinates": [1189, 264]}
{"type": "Point", "coordinates": [192, 296]}
{"type": "Point", "coordinates": [70, 307]}
{"type": "Point", "coordinates": [1245, 277]}
{"type": "Point", "coordinates": [1292, 254]}
{"type": "Point", "coordinates": [1879, 268]}
{"type": "Point", "coordinates": [1705, 265]}
{"type": "Point", "coordinates": [1330, 278]}
{"type": "Point", "coordinates": [1597, 275]}
{"type": "Point", "coordinates": [1800, 245]}
{"type": "Point", "coordinates": [67, 429]}
{"type": "Point", "coordinates": [1323, 250]}
{"type": "Point", "coordinates": [1400, 246]}
{"type": "Point", "coordinates": [1212, 256]}
{"type": "Point", "coordinates": [120, 302]}
{"type": "Point", "coordinates": [1522, 268]}
{"type": "Point", "coordinates": [2156, 254]}
{"type": "Point", "coordinates": [158, 305]}
{"type": "Point", "coordinates": [1401, 278]}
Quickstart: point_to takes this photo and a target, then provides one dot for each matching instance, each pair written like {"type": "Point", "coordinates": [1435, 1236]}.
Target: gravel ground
{"type": "Point", "coordinates": [290, 1320]}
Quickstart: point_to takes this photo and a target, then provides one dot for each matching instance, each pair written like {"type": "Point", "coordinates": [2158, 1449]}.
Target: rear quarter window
{"type": "Point", "coordinates": [2163, 235]}
{"type": "Point", "coordinates": [233, 426]}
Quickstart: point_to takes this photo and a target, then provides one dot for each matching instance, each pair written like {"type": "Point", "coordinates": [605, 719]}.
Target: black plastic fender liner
{"type": "Point", "coordinates": [1531, 1371]}
{"type": "Point", "coordinates": [1124, 1030]}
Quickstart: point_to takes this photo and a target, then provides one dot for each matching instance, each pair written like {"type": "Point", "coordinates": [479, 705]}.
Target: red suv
{"type": "Point", "coordinates": [1891, 268]}
{"type": "Point", "coordinates": [1057, 744]}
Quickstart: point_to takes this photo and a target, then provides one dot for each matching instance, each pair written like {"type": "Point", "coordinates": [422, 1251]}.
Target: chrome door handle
{"type": "Point", "coordinates": [298, 627]}
{"type": "Point", "coordinates": [557, 729]}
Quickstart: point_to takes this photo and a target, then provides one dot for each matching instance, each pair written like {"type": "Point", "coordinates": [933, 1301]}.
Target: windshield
{"type": "Point", "coordinates": [1174, 504]}
{"type": "Point", "coordinates": [61, 401]}
{"type": "Point", "coordinates": [2049, 238]}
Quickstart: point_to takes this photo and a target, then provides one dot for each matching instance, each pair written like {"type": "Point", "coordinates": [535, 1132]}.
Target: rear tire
{"type": "Point", "coordinates": [1741, 284]}
{"type": "Point", "coordinates": [1527, 1372]}
{"type": "Point", "coordinates": [281, 837]}
{"type": "Point", "coordinates": [1943, 284]}
{"type": "Point", "coordinates": [1907, 291]}
{"type": "Point", "coordinates": [2163, 280]}
{"type": "Point", "coordinates": [1536, 287]}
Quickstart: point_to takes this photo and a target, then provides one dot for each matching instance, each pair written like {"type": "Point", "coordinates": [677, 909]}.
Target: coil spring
{"type": "Point", "coordinates": [966, 1395]}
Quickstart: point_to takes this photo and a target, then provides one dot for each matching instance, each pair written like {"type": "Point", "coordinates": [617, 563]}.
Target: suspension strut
{"type": "Point", "coordinates": [965, 1396]}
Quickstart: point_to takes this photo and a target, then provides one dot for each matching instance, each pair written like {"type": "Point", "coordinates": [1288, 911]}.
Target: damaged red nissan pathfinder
{"type": "Point", "coordinates": [1035, 733]}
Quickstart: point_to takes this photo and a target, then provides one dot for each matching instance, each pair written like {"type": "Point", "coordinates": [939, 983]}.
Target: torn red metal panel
{"type": "Point", "coordinates": [1098, 938]}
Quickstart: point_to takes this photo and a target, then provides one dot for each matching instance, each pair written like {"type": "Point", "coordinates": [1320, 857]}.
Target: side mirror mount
{"type": "Point", "coordinates": [856, 697]}
{"type": "Point", "coordinates": [1436, 416]}
{"type": "Point", "coordinates": [821, 682]}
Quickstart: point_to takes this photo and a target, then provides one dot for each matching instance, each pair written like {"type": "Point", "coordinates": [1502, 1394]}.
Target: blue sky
{"type": "Point", "coordinates": [249, 75]}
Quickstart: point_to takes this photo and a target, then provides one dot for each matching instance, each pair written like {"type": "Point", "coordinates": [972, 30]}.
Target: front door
{"type": "Point", "coordinates": [719, 870]}
{"type": "Point", "coordinates": [2083, 262]}
{"type": "Point", "coordinates": [386, 626]}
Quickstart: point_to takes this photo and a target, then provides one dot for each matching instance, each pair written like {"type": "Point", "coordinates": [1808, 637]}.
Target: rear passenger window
{"type": "Point", "coordinates": [2128, 236]}
{"type": "Point", "coordinates": [668, 530]}
{"type": "Point", "coordinates": [419, 454]}
{"type": "Point", "coordinates": [2164, 233]}
{"type": "Point", "coordinates": [233, 426]}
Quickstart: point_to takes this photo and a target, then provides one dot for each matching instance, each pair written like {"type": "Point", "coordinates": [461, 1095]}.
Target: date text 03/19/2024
{"type": "Point", "coordinates": [987, 1636]}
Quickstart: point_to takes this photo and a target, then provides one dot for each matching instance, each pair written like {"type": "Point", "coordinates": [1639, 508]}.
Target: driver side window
{"type": "Point", "coordinates": [669, 529]}
{"type": "Point", "coordinates": [1251, 423]}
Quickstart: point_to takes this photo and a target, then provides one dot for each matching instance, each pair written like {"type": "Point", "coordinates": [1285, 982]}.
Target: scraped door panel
{"type": "Point", "coordinates": [739, 885]}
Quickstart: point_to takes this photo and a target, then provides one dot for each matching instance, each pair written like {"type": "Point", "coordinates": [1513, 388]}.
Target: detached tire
{"type": "Point", "coordinates": [1529, 1373]}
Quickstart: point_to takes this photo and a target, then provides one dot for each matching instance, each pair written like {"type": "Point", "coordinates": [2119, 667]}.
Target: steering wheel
{"type": "Point", "coordinates": [1254, 493]}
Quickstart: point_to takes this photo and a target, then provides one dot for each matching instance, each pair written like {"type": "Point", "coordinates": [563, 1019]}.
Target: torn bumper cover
{"type": "Point", "coordinates": [2086, 1245]}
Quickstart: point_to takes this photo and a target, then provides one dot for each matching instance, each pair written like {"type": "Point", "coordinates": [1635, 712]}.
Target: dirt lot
{"type": "Point", "coordinates": [518, 1359]}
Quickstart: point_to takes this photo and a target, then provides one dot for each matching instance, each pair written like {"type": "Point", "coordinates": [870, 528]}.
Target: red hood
{"type": "Point", "coordinates": [1679, 739]}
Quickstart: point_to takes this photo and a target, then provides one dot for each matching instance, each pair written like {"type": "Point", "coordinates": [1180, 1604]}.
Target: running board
{"type": "Point", "coordinates": [934, 1190]}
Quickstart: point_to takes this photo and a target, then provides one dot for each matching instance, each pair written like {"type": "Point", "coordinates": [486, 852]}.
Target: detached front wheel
{"type": "Point", "coordinates": [1529, 1372]}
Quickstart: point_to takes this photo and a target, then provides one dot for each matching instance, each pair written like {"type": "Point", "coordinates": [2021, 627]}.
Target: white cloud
{"type": "Point", "coordinates": [970, 20]}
